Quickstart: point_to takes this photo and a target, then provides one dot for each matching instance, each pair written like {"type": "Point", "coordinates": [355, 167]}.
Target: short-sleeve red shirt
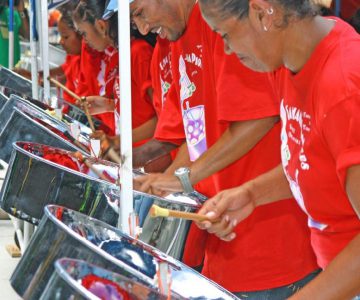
{"type": "Point", "coordinates": [71, 69]}
{"type": "Point", "coordinates": [320, 109]}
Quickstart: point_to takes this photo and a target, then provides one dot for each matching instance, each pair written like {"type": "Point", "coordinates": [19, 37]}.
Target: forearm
{"type": "Point", "coordinates": [58, 71]}
{"type": "Point", "coordinates": [340, 280]}
{"type": "Point", "coordinates": [236, 141]}
{"type": "Point", "coordinates": [182, 159]}
{"type": "Point", "coordinates": [269, 187]}
{"type": "Point", "coordinates": [144, 131]}
{"type": "Point", "coordinates": [151, 150]}
{"type": "Point", "coordinates": [24, 30]}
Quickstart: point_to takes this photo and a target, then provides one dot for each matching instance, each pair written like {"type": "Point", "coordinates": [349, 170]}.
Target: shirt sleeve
{"type": "Point", "coordinates": [340, 129]}
{"type": "Point", "coordinates": [242, 93]}
{"type": "Point", "coordinates": [170, 124]}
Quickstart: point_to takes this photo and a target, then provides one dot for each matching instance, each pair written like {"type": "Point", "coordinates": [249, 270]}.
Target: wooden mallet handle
{"type": "Point", "coordinates": [157, 211]}
{"type": "Point", "coordinates": [111, 153]}
{"type": "Point", "coordinates": [60, 85]}
{"type": "Point", "coordinates": [81, 99]}
{"type": "Point", "coordinates": [87, 113]}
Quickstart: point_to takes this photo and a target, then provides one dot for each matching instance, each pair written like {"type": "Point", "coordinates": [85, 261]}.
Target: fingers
{"type": "Point", "coordinates": [151, 184]}
{"type": "Point", "coordinates": [143, 184]}
{"type": "Point", "coordinates": [211, 207]}
{"type": "Point", "coordinates": [98, 134]}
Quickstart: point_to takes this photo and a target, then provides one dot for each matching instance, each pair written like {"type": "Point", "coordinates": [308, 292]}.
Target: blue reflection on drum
{"type": "Point", "coordinates": [133, 255]}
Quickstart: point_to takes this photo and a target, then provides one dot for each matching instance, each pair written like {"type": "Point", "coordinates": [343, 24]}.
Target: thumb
{"type": "Point", "coordinates": [213, 208]}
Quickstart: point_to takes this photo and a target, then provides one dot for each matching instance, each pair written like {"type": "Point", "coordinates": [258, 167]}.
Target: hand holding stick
{"type": "Point", "coordinates": [83, 159]}
{"type": "Point", "coordinates": [110, 152]}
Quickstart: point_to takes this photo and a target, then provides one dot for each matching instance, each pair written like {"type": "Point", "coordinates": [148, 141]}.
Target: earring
{"type": "Point", "coordinates": [270, 11]}
{"type": "Point", "coordinates": [265, 28]}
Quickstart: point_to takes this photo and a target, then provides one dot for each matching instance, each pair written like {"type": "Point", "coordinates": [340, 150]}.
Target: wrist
{"type": "Point", "coordinates": [249, 189]}
{"type": "Point", "coordinates": [183, 174]}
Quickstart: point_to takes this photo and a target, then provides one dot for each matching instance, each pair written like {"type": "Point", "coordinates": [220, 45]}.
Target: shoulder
{"type": "Point", "coordinates": [340, 74]}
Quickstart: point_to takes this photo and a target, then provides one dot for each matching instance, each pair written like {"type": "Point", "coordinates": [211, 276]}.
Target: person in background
{"type": "Point", "coordinates": [314, 67]}
{"type": "Point", "coordinates": [69, 72]}
{"type": "Point", "coordinates": [99, 35]}
{"type": "Point", "coordinates": [71, 42]}
{"type": "Point", "coordinates": [21, 28]}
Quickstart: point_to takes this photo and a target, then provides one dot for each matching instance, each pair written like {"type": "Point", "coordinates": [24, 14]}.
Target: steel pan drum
{"type": "Point", "coordinates": [65, 233]}
{"type": "Point", "coordinates": [36, 109]}
{"type": "Point", "coordinates": [22, 127]}
{"type": "Point", "coordinates": [3, 100]}
{"type": "Point", "coordinates": [33, 181]}
{"type": "Point", "coordinates": [73, 279]}
{"type": "Point", "coordinates": [77, 114]}
{"type": "Point", "coordinates": [14, 82]}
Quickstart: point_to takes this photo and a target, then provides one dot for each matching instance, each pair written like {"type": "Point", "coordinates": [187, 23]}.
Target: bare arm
{"type": "Point", "coordinates": [236, 141]}
{"type": "Point", "coordinates": [144, 131]}
{"type": "Point", "coordinates": [341, 279]}
{"type": "Point", "coordinates": [182, 159]}
{"type": "Point", "coordinates": [25, 27]}
{"type": "Point", "coordinates": [151, 150]}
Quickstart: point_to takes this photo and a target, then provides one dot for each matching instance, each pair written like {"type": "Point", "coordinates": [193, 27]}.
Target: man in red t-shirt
{"type": "Point", "coordinates": [274, 249]}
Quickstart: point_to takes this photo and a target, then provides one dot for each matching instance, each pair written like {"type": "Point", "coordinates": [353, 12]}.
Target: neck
{"type": "Point", "coordinates": [186, 7]}
{"type": "Point", "coordinates": [301, 38]}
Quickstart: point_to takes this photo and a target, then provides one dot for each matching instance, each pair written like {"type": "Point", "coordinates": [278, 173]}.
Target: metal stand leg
{"type": "Point", "coordinates": [28, 232]}
{"type": "Point", "coordinates": [23, 231]}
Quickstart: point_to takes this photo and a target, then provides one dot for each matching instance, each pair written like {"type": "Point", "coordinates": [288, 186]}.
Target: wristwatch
{"type": "Point", "coordinates": [184, 176]}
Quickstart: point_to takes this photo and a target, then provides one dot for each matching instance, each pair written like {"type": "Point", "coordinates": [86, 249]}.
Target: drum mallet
{"type": "Point", "coordinates": [157, 211]}
{"type": "Point", "coordinates": [81, 99]}
{"type": "Point", "coordinates": [83, 159]}
{"type": "Point", "coordinates": [111, 153]}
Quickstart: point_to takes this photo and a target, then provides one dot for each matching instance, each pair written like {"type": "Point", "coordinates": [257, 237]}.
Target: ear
{"type": "Point", "coordinates": [102, 27]}
{"type": "Point", "coordinates": [261, 13]}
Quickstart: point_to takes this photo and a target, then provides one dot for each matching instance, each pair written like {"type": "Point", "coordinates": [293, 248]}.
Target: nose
{"type": "Point", "coordinates": [62, 42]}
{"type": "Point", "coordinates": [227, 48]}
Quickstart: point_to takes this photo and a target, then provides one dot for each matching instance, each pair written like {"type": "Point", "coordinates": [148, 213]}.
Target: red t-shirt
{"type": "Point", "coordinates": [272, 248]}
{"type": "Point", "coordinates": [161, 76]}
{"type": "Point", "coordinates": [71, 69]}
{"type": "Point", "coordinates": [169, 127]}
{"type": "Point", "coordinates": [142, 108]}
{"type": "Point", "coordinates": [91, 71]}
{"type": "Point", "coordinates": [92, 79]}
{"type": "Point", "coordinates": [320, 108]}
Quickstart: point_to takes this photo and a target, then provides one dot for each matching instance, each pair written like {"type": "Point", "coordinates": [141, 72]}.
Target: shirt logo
{"type": "Point", "coordinates": [187, 88]}
{"type": "Point", "coordinates": [193, 117]}
{"type": "Point", "coordinates": [288, 132]}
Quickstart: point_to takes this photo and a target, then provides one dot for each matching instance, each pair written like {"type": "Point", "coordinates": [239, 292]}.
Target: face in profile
{"type": "Point", "coordinates": [70, 40]}
{"type": "Point", "coordinates": [255, 48]}
{"type": "Point", "coordinates": [92, 35]}
{"type": "Point", "coordinates": [158, 16]}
